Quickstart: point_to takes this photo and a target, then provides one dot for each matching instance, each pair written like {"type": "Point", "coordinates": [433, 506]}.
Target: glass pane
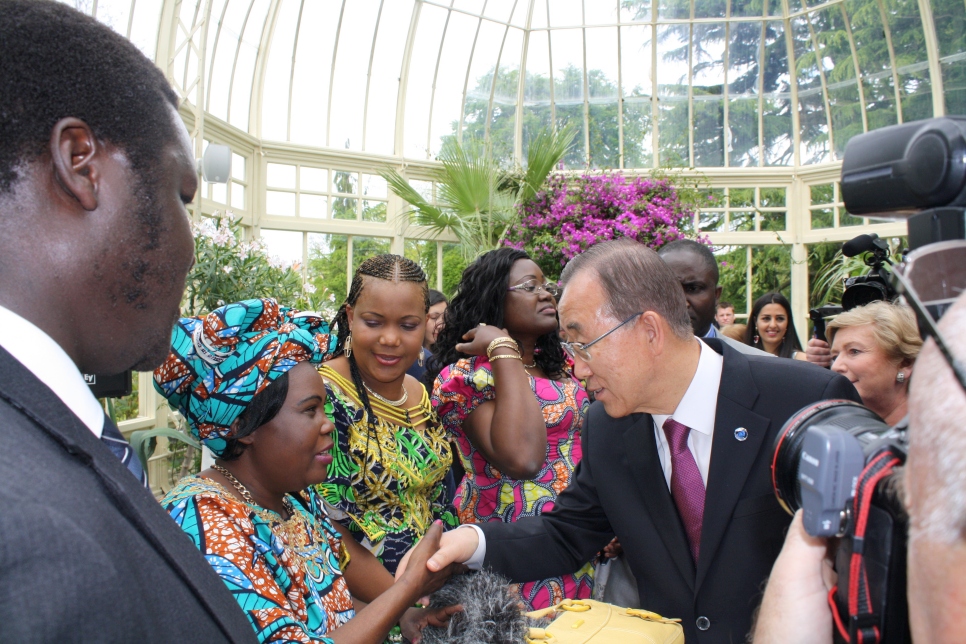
{"type": "Point", "coordinates": [365, 247]}
{"type": "Point", "coordinates": [954, 86]}
{"type": "Point", "coordinates": [635, 11]}
{"type": "Point", "coordinates": [536, 89]}
{"type": "Point", "coordinates": [741, 220]}
{"type": "Point", "coordinates": [423, 252]}
{"type": "Point", "coordinates": [345, 182]}
{"type": "Point", "coordinates": [505, 87]}
{"type": "Point", "coordinates": [241, 83]}
{"type": "Point", "coordinates": [711, 220]}
{"type": "Point", "coordinates": [845, 219]}
{"type": "Point", "coordinates": [772, 221]}
{"type": "Point", "coordinates": [638, 148]}
{"type": "Point", "coordinates": [237, 167]}
{"type": "Point", "coordinates": [673, 9]}
{"type": "Point", "coordinates": [566, 13]}
{"type": "Point", "coordinates": [219, 192]}
{"type": "Point", "coordinates": [672, 129]}
{"type": "Point", "coordinates": [237, 195]}
{"type": "Point", "coordinates": [373, 210]}
{"type": "Point", "coordinates": [770, 270]}
{"type": "Point", "coordinates": [600, 12]}
{"type": "Point", "coordinates": [313, 67]}
{"type": "Point", "coordinates": [278, 72]}
{"type": "Point", "coordinates": [374, 185]}
{"type": "Point", "coordinates": [283, 245]}
{"type": "Point", "coordinates": [567, 56]}
{"type": "Point", "coordinates": [313, 179]}
{"type": "Point", "coordinates": [741, 197]}
{"type": "Point", "coordinates": [280, 203]}
{"type": "Point", "coordinates": [314, 206]}
{"type": "Point", "coordinates": [419, 92]}
{"type": "Point", "coordinates": [480, 84]}
{"type": "Point", "coordinates": [822, 194]}
{"type": "Point", "coordinates": [455, 58]}
{"type": "Point", "coordinates": [772, 198]}
{"type": "Point", "coordinates": [384, 81]}
{"type": "Point", "coordinates": [328, 260]}
{"type": "Point", "coordinates": [710, 8]}
{"type": "Point", "coordinates": [144, 27]}
{"type": "Point", "coordinates": [344, 208]}
{"type": "Point", "coordinates": [822, 218]}
{"type": "Point", "coordinates": [424, 188]}
{"type": "Point", "coordinates": [708, 131]}
{"type": "Point", "coordinates": [351, 71]}
{"type": "Point", "coordinates": [281, 176]}
{"type": "Point", "coordinates": [743, 148]}
{"type": "Point", "coordinates": [673, 59]}
{"type": "Point", "coordinates": [603, 91]}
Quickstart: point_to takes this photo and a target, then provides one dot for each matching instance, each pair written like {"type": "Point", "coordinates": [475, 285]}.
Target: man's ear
{"type": "Point", "coordinates": [652, 325]}
{"type": "Point", "coordinates": [74, 150]}
{"type": "Point", "coordinates": [717, 296]}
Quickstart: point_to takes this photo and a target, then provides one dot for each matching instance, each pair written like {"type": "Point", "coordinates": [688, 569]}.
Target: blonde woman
{"type": "Point", "coordinates": [875, 346]}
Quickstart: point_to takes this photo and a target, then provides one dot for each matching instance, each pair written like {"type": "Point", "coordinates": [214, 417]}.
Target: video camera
{"type": "Point", "coordinates": [835, 459]}
{"type": "Point", "coordinates": [859, 291]}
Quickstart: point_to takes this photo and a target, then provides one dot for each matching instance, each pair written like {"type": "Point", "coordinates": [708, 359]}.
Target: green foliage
{"type": "Point", "coordinates": [328, 259]}
{"type": "Point", "coordinates": [476, 197]}
{"type": "Point", "coordinates": [829, 281]}
{"type": "Point", "coordinates": [770, 271]}
{"type": "Point", "coordinates": [228, 269]}
{"type": "Point", "coordinates": [145, 441]}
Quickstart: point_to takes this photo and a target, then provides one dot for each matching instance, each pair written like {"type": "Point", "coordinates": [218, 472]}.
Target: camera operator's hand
{"type": "Point", "coordinates": [818, 352]}
{"type": "Point", "coordinates": [795, 607]}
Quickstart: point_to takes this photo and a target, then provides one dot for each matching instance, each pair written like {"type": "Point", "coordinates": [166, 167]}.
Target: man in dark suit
{"type": "Point", "coordinates": [95, 171]}
{"type": "Point", "coordinates": [676, 452]}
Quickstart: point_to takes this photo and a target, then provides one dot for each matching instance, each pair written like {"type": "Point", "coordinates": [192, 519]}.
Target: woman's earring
{"type": "Point", "coordinates": [900, 377]}
{"type": "Point", "coordinates": [420, 360]}
{"type": "Point", "coordinates": [755, 340]}
{"type": "Point", "coordinates": [347, 349]}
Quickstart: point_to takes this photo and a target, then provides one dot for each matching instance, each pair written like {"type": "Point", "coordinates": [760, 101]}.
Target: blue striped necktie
{"type": "Point", "coordinates": [111, 437]}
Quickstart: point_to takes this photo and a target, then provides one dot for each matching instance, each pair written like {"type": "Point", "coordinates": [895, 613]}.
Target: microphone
{"type": "Point", "coordinates": [862, 244]}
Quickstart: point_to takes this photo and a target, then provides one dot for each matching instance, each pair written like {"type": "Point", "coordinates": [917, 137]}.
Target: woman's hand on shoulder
{"type": "Point", "coordinates": [477, 339]}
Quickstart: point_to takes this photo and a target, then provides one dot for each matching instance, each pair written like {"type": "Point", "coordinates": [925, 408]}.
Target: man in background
{"type": "Point", "coordinates": [695, 267]}
{"type": "Point", "coordinates": [95, 172]}
{"type": "Point", "coordinates": [725, 314]}
{"type": "Point", "coordinates": [795, 608]}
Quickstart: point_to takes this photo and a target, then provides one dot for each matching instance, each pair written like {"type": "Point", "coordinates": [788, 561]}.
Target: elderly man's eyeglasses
{"type": "Point", "coordinates": [579, 350]}
{"type": "Point", "coordinates": [531, 286]}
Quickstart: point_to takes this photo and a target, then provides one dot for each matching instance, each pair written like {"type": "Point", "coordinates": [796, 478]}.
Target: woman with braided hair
{"type": "Point", "coordinates": [504, 392]}
{"type": "Point", "coordinates": [386, 481]}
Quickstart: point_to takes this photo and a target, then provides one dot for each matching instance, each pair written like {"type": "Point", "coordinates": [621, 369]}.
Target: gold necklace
{"type": "Point", "coordinates": [394, 403]}
{"type": "Point", "coordinates": [248, 495]}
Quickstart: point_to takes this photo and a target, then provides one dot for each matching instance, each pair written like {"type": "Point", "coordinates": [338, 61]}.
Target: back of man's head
{"type": "Point", "coordinates": [56, 62]}
{"type": "Point", "coordinates": [935, 483]}
{"type": "Point", "coordinates": [699, 250]}
{"type": "Point", "coordinates": [634, 279]}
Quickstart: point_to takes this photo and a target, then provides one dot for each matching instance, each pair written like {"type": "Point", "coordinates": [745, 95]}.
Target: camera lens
{"type": "Point", "coordinates": [843, 414]}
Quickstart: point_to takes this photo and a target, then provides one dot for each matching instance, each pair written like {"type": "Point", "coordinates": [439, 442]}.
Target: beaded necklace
{"type": "Point", "coordinates": [410, 417]}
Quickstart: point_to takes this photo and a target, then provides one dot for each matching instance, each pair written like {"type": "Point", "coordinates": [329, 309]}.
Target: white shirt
{"type": "Point", "coordinates": [44, 358]}
{"type": "Point", "coordinates": [696, 410]}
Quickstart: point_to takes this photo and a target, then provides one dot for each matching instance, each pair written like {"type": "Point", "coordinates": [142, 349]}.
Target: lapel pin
{"type": "Point", "coordinates": [741, 434]}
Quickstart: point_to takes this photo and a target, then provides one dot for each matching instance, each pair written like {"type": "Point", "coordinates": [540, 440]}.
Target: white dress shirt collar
{"type": "Point", "coordinates": [697, 407]}
{"type": "Point", "coordinates": [44, 358]}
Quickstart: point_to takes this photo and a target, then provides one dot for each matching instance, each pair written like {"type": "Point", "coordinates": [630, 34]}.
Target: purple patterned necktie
{"type": "Point", "coordinates": [687, 488]}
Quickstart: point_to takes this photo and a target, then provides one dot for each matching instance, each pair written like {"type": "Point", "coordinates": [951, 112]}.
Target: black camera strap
{"type": "Point", "coordinates": [862, 626]}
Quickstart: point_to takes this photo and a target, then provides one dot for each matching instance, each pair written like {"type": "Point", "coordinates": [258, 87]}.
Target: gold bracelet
{"type": "Point", "coordinates": [503, 341]}
{"type": "Point", "coordinates": [505, 356]}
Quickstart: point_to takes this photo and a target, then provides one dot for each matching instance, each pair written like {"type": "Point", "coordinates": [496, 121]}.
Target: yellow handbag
{"type": "Point", "coordinates": [585, 621]}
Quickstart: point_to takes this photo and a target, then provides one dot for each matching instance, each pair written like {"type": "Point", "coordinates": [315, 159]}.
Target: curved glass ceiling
{"type": "Point", "coordinates": [647, 83]}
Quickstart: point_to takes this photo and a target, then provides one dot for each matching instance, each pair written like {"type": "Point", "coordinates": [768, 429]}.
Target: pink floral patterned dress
{"type": "Point", "coordinates": [485, 494]}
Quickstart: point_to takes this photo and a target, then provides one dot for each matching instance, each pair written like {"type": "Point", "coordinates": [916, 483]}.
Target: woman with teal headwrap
{"type": "Point", "coordinates": [243, 377]}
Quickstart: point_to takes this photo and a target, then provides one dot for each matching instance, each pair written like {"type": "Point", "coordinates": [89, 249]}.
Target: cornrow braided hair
{"type": "Point", "coordinates": [392, 268]}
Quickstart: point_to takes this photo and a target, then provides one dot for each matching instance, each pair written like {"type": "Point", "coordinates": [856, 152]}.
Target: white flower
{"type": "Point", "coordinates": [309, 287]}
{"type": "Point", "coordinates": [222, 237]}
{"type": "Point", "coordinates": [275, 261]}
{"type": "Point", "coordinates": [227, 269]}
{"type": "Point", "coordinates": [332, 297]}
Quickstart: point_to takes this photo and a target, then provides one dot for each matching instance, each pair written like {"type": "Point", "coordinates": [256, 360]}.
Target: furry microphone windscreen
{"type": "Point", "coordinates": [490, 614]}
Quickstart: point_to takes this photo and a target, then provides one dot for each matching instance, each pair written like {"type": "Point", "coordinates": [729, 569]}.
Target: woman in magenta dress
{"type": "Point", "coordinates": [505, 394]}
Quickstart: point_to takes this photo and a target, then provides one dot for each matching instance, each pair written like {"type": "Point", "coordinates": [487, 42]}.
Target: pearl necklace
{"type": "Point", "coordinates": [394, 403]}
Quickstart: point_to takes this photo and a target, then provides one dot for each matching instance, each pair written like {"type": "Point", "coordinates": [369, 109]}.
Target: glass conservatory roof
{"type": "Point", "coordinates": [646, 83]}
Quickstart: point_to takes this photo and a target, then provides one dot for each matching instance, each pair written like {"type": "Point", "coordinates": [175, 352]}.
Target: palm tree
{"type": "Point", "coordinates": [476, 199]}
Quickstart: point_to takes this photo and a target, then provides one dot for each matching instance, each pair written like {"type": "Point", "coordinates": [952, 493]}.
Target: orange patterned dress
{"type": "Point", "coordinates": [486, 494]}
{"type": "Point", "coordinates": [285, 575]}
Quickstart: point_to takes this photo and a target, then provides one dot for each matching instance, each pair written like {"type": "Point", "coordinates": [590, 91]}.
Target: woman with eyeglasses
{"type": "Point", "coordinates": [504, 392]}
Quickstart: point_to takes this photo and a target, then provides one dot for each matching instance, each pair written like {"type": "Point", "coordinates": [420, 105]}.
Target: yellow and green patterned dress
{"type": "Point", "coordinates": [385, 486]}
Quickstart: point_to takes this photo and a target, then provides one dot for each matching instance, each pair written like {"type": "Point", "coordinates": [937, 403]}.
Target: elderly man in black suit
{"type": "Point", "coordinates": [676, 452]}
{"type": "Point", "coordinates": [95, 171]}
